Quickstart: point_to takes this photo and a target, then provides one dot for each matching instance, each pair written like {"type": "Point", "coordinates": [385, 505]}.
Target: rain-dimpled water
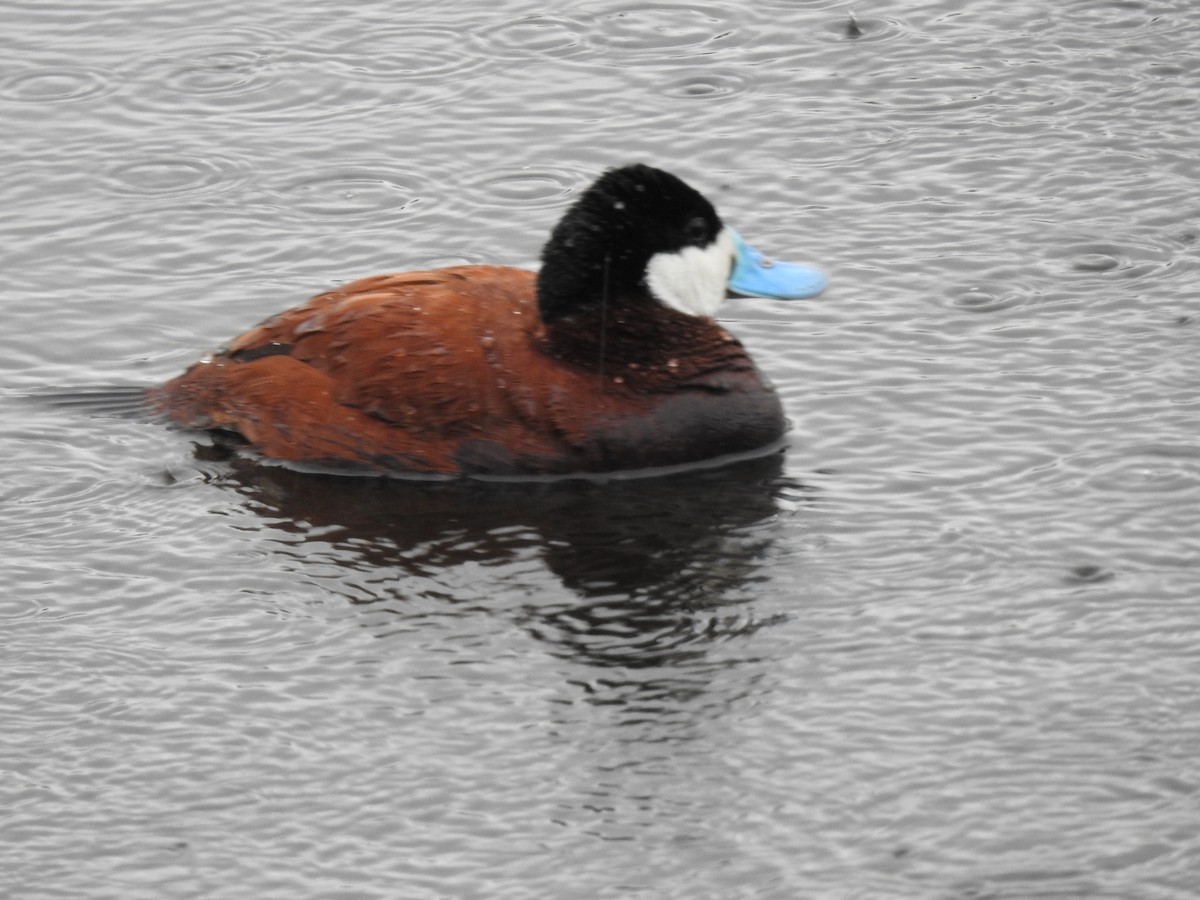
{"type": "Point", "coordinates": [944, 646]}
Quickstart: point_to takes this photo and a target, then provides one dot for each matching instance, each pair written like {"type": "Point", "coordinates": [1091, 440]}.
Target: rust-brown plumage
{"type": "Point", "coordinates": [464, 371]}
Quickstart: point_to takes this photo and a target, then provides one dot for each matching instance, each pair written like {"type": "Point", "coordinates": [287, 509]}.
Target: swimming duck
{"type": "Point", "coordinates": [607, 359]}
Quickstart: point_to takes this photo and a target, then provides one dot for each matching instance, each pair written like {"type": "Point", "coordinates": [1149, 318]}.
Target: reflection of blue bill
{"type": "Point", "coordinates": [754, 275]}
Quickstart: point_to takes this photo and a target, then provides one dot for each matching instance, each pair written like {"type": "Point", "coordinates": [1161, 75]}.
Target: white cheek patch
{"type": "Point", "coordinates": [693, 280]}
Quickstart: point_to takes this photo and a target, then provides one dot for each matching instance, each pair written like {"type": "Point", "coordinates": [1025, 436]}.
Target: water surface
{"type": "Point", "coordinates": [943, 648]}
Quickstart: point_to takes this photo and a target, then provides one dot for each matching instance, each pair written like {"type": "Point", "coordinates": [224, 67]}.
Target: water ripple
{"type": "Point", "coordinates": [830, 141]}
{"type": "Point", "coordinates": [529, 187]}
{"type": "Point", "coordinates": [1111, 259]}
{"type": "Point", "coordinates": [980, 299]}
{"type": "Point", "coordinates": [348, 192]}
{"type": "Point", "coordinates": [1149, 469]}
{"type": "Point", "coordinates": [1000, 290]}
{"type": "Point", "coordinates": [637, 31]}
{"type": "Point", "coordinates": [171, 174]}
{"type": "Point", "coordinates": [57, 84]}
{"type": "Point", "coordinates": [536, 35]}
{"type": "Point", "coordinates": [406, 53]}
{"type": "Point", "coordinates": [239, 70]}
{"type": "Point", "coordinates": [707, 85]}
{"type": "Point", "coordinates": [865, 29]}
{"type": "Point", "coordinates": [218, 70]}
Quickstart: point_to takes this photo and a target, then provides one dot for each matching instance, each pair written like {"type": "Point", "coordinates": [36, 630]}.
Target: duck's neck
{"type": "Point", "coordinates": [645, 342]}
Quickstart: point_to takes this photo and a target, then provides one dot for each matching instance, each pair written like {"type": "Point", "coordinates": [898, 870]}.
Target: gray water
{"type": "Point", "coordinates": [946, 647]}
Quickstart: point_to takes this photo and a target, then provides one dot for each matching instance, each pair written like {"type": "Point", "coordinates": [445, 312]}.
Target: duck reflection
{"type": "Point", "coordinates": [653, 569]}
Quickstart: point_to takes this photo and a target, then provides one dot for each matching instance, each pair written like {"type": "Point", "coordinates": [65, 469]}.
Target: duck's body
{"type": "Point", "coordinates": [453, 372]}
{"type": "Point", "coordinates": [608, 360]}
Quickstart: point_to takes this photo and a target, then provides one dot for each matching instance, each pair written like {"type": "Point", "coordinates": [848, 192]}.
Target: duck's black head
{"type": "Point", "coordinates": [637, 234]}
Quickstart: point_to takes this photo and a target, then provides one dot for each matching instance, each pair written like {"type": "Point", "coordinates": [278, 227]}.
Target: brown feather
{"type": "Point", "coordinates": [452, 372]}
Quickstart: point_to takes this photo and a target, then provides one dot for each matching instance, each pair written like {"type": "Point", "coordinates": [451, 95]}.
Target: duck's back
{"type": "Point", "coordinates": [452, 372]}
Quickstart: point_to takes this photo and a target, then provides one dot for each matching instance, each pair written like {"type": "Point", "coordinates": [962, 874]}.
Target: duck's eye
{"type": "Point", "coordinates": [696, 230]}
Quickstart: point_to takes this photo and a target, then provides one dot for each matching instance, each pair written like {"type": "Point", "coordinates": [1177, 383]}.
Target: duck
{"type": "Point", "coordinates": [607, 359]}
